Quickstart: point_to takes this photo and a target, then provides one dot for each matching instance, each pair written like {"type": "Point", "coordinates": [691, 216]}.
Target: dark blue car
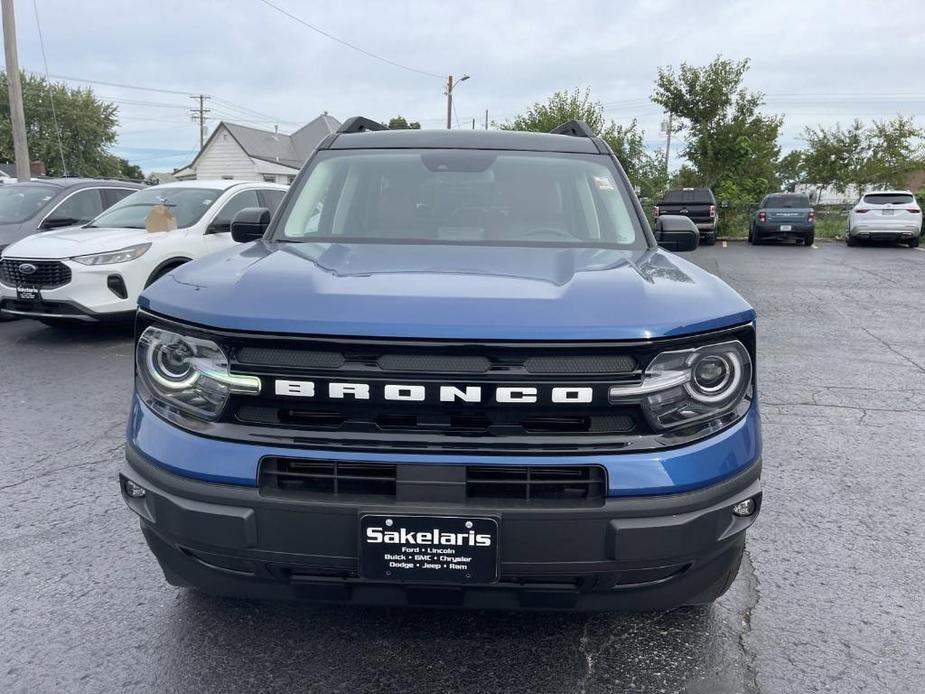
{"type": "Point", "coordinates": [455, 369]}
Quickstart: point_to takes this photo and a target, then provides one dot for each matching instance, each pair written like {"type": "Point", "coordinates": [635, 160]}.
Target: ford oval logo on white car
{"type": "Point", "coordinates": [27, 269]}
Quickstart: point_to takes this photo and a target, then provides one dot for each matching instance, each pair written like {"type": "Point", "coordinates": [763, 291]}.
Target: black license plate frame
{"type": "Point", "coordinates": [472, 557]}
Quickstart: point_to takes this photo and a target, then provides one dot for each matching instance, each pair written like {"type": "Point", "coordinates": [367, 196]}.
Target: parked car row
{"type": "Point", "coordinates": [891, 216]}
{"type": "Point", "coordinates": [95, 271]}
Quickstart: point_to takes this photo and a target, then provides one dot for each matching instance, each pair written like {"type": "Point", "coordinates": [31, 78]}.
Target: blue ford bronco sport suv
{"type": "Point", "coordinates": [455, 369]}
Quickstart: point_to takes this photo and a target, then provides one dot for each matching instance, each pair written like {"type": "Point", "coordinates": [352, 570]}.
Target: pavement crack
{"type": "Point", "coordinates": [589, 657]}
{"type": "Point", "coordinates": [752, 596]}
{"type": "Point", "coordinates": [843, 407]}
{"type": "Point", "coordinates": [44, 474]}
{"type": "Point", "coordinates": [894, 350]}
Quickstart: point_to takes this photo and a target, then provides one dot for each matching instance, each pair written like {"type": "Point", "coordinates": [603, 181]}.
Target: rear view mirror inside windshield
{"type": "Point", "coordinates": [460, 161]}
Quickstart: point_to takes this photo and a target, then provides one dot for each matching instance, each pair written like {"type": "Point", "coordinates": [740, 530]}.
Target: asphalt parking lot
{"type": "Point", "coordinates": [829, 599]}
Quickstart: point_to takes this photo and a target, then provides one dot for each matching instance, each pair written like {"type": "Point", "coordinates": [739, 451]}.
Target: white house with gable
{"type": "Point", "coordinates": [249, 154]}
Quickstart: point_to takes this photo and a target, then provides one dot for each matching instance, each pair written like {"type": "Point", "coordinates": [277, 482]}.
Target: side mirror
{"type": "Point", "coordinates": [676, 233]}
{"type": "Point", "coordinates": [218, 227]}
{"type": "Point", "coordinates": [250, 224]}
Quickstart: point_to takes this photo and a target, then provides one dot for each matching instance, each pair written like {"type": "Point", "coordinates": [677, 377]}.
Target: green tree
{"type": "Point", "coordinates": [730, 144]}
{"type": "Point", "coordinates": [835, 157]}
{"type": "Point", "coordinates": [87, 127]}
{"type": "Point", "coordinates": [627, 142]}
{"type": "Point", "coordinates": [894, 151]}
{"type": "Point", "coordinates": [127, 170]}
{"type": "Point", "coordinates": [399, 123]}
{"type": "Point", "coordinates": [791, 169]}
{"type": "Point", "coordinates": [880, 155]}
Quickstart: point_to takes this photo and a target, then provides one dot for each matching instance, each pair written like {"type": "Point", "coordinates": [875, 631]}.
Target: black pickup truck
{"type": "Point", "coordinates": [696, 203]}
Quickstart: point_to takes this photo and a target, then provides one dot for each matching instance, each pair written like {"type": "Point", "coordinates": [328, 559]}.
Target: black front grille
{"type": "Point", "coordinates": [499, 485]}
{"type": "Point", "coordinates": [430, 422]}
{"type": "Point", "coordinates": [48, 273]}
{"type": "Point", "coordinates": [566, 483]}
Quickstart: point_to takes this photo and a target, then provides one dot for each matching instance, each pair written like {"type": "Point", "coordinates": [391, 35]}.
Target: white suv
{"type": "Point", "coordinates": [95, 272]}
{"type": "Point", "coordinates": [885, 215]}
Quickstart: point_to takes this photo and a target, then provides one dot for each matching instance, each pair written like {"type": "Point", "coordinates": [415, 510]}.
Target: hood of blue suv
{"type": "Point", "coordinates": [447, 291]}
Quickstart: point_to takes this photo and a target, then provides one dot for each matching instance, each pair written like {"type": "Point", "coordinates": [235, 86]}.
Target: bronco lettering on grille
{"type": "Point", "coordinates": [410, 392]}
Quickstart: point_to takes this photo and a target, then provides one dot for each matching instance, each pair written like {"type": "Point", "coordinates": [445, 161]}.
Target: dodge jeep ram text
{"type": "Point", "coordinates": [455, 369]}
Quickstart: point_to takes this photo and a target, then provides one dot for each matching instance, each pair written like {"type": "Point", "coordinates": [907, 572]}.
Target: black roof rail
{"type": "Point", "coordinates": [359, 124]}
{"type": "Point", "coordinates": [575, 128]}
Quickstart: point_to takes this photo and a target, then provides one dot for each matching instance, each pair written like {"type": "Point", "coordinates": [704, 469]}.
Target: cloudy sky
{"type": "Point", "coordinates": [818, 62]}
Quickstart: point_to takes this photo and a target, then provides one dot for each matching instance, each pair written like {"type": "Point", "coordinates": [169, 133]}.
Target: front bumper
{"type": "Point", "coordinates": [633, 552]}
{"type": "Point", "coordinates": [87, 298]}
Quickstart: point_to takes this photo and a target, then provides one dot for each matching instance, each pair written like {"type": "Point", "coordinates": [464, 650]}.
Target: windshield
{"type": "Point", "coordinates": [19, 203]}
{"type": "Point", "coordinates": [186, 204]}
{"type": "Point", "coordinates": [783, 201]}
{"type": "Point", "coordinates": [462, 196]}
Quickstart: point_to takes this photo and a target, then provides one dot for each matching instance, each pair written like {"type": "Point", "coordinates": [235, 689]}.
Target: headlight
{"type": "Point", "coordinates": [188, 373]}
{"type": "Point", "coordinates": [121, 256]}
{"type": "Point", "coordinates": [686, 386]}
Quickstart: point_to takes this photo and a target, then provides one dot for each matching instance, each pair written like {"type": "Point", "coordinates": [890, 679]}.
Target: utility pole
{"type": "Point", "coordinates": [486, 119]}
{"type": "Point", "coordinates": [668, 142]}
{"type": "Point", "coordinates": [200, 115]}
{"type": "Point", "coordinates": [450, 84]}
{"type": "Point", "coordinates": [449, 102]}
{"type": "Point", "coordinates": [17, 117]}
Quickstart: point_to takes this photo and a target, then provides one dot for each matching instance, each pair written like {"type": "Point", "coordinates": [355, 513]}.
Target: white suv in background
{"type": "Point", "coordinates": [885, 215]}
{"type": "Point", "coordinates": [97, 271]}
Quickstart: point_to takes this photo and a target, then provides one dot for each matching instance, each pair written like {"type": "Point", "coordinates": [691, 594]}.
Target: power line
{"type": "Point", "coordinates": [51, 91]}
{"type": "Point", "coordinates": [245, 109]}
{"type": "Point", "coordinates": [347, 43]}
{"type": "Point", "coordinates": [120, 85]}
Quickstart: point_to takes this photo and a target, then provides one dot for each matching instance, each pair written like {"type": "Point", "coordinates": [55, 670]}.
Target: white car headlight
{"type": "Point", "coordinates": [123, 255]}
{"type": "Point", "coordinates": [188, 373]}
{"type": "Point", "coordinates": [687, 386]}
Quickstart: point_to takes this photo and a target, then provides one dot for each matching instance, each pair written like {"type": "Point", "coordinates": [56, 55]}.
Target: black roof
{"type": "Point", "coordinates": [462, 139]}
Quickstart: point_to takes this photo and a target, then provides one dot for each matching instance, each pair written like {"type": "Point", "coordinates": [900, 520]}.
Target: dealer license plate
{"type": "Point", "coordinates": [786, 227]}
{"type": "Point", "coordinates": [429, 549]}
{"type": "Point", "coordinates": [28, 294]}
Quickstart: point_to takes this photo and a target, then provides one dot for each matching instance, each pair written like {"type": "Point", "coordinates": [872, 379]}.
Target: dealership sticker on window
{"type": "Point", "coordinates": [604, 183]}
